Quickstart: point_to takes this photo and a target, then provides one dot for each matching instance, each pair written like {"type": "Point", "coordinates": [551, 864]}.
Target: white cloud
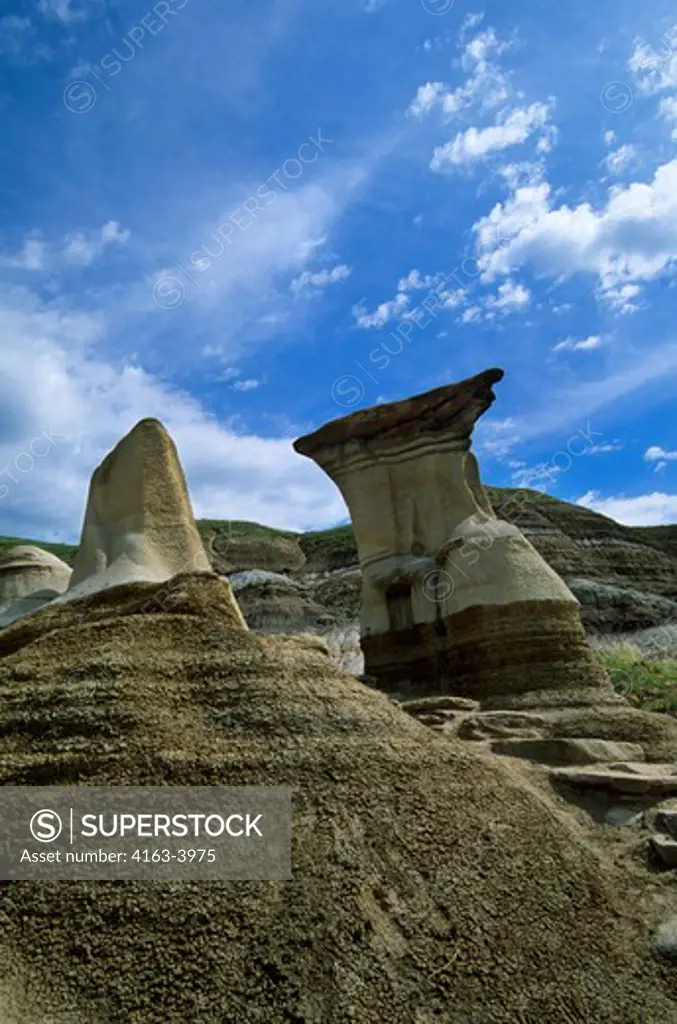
{"type": "Point", "coordinates": [609, 137]}
{"type": "Point", "coordinates": [582, 345]}
{"type": "Point", "coordinates": [605, 448]}
{"type": "Point", "coordinates": [320, 278]}
{"type": "Point", "coordinates": [486, 84]}
{"type": "Point", "coordinates": [660, 457]}
{"type": "Point", "coordinates": [84, 248]}
{"type": "Point", "coordinates": [31, 257]}
{"type": "Point", "coordinates": [425, 99]}
{"type": "Point", "coordinates": [667, 109]}
{"type": "Point", "coordinates": [487, 88]}
{"type": "Point", "coordinates": [246, 385]}
{"type": "Point", "coordinates": [619, 159]}
{"type": "Point", "coordinates": [632, 239]}
{"type": "Point", "coordinates": [471, 315]}
{"type": "Point", "coordinates": [653, 72]}
{"type": "Point", "coordinates": [510, 298]}
{"type": "Point", "coordinates": [548, 139]}
{"type": "Point", "coordinates": [400, 306]}
{"type": "Point", "coordinates": [52, 380]}
{"type": "Point", "coordinates": [655, 509]}
{"type": "Point", "coordinates": [383, 314]}
{"type": "Point", "coordinates": [522, 173]}
{"type": "Point", "coordinates": [621, 297]}
{"type": "Point", "coordinates": [475, 144]}
{"type": "Point", "coordinates": [496, 437]}
{"type": "Point", "coordinates": [471, 21]}
{"type": "Point", "coordinates": [246, 259]}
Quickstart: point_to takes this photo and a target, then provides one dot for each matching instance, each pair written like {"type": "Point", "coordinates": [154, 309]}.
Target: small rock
{"type": "Point", "coordinates": [626, 777]}
{"type": "Point", "coordinates": [503, 725]}
{"type": "Point", "coordinates": [666, 821]}
{"type": "Point", "coordinates": [666, 849]}
{"type": "Point", "coordinates": [443, 703]}
{"type": "Point", "coordinates": [666, 938]}
{"type": "Point", "coordinates": [620, 815]}
{"type": "Point", "coordinates": [568, 751]}
{"type": "Point", "coordinates": [430, 719]}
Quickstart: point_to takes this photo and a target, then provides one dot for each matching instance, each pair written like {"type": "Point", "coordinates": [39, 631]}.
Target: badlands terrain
{"type": "Point", "coordinates": [505, 855]}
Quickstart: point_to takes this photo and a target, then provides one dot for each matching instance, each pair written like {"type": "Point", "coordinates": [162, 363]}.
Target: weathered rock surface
{"type": "Point", "coordinates": [452, 596]}
{"type": "Point", "coordinates": [273, 603]}
{"type": "Point", "coordinates": [26, 569]}
{"type": "Point", "coordinates": [489, 725]}
{"type": "Point", "coordinates": [445, 703]}
{"type": "Point", "coordinates": [665, 848]}
{"type": "Point", "coordinates": [344, 647]}
{"type": "Point", "coordinates": [138, 524]}
{"type": "Point", "coordinates": [609, 608]}
{"type": "Point", "coordinates": [663, 818]}
{"type": "Point", "coordinates": [340, 592]}
{"type": "Point", "coordinates": [666, 938]}
{"type": "Point", "coordinates": [584, 545]}
{"type": "Point", "coordinates": [29, 578]}
{"type": "Point", "coordinates": [430, 883]}
{"type": "Point", "coordinates": [261, 548]}
{"type": "Point", "coordinates": [568, 751]}
{"type": "Point", "coordinates": [625, 578]}
{"type": "Point", "coordinates": [625, 777]}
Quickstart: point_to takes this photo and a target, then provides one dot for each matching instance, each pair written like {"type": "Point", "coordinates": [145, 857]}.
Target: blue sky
{"type": "Point", "coordinates": [248, 219]}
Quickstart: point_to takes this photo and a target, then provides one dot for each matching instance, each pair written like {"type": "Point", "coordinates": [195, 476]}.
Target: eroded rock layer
{"type": "Point", "coordinates": [493, 653]}
{"type": "Point", "coordinates": [429, 883]}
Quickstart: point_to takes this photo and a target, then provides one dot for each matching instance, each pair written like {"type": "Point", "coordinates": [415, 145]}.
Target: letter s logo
{"type": "Point", "coordinates": [46, 826]}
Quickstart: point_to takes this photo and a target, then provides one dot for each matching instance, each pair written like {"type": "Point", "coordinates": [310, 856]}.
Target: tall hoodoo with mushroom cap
{"type": "Point", "coordinates": [453, 598]}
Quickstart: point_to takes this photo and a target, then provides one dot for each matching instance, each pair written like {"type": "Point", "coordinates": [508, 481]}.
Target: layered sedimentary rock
{"type": "Point", "coordinates": [29, 578]}
{"type": "Point", "coordinates": [625, 577]}
{"type": "Point", "coordinates": [453, 598]}
{"type": "Point", "coordinates": [429, 883]}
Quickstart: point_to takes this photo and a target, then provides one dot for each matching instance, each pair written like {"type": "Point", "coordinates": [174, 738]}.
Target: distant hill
{"type": "Point", "coordinates": [336, 548]}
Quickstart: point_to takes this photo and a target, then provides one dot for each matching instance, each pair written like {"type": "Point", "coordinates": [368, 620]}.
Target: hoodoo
{"type": "Point", "coordinates": [29, 578]}
{"type": "Point", "coordinates": [454, 599]}
{"type": "Point", "coordinates": [139, 524]}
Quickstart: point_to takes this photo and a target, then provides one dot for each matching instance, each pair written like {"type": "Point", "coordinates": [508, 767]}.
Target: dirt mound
{"type": "Point", "coordinates": [429, 883]}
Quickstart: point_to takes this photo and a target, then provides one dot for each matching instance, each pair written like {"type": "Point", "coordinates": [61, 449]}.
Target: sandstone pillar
{"type": "Point", "coordinates": [139, 524]}
{"type": "Point", "coordinates": [454, 599]}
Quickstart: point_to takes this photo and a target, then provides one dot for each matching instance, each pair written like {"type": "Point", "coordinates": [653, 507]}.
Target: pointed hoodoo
{"type": "Point", "coordinates": [453, 599]}
{"type": "Point", "coordinates": [139, 523]}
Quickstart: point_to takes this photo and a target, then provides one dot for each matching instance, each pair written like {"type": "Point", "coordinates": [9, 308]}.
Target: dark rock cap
{"type": "Point", "coordinates": [462, 403]}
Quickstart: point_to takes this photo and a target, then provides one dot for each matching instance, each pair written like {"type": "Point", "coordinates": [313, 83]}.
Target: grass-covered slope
{"type": "Point", "coordinates": [63, 551]}
{"type": "Point", "coordinates": [651, 685]}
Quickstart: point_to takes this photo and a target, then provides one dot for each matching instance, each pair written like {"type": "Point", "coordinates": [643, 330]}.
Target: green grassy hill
{"type": "Point", "coordinates": [63, 551]}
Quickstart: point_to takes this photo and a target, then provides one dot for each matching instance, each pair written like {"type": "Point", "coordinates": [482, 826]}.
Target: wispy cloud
{"type": "Point", "coordinates": [642, 510]}
{"type": "Point", "coordinates": [320, 278]}
{"type": "Point", "coordinates": [589, 344]}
